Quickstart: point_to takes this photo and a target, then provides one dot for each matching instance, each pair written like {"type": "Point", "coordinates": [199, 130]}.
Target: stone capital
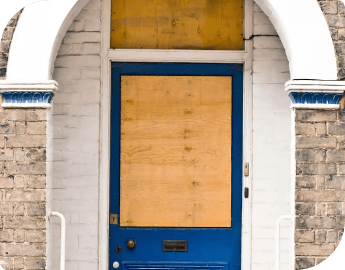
{"type": "Point", "coordinates": [27, 94]}
{"type": "Point", "coordinates": [313, 94]}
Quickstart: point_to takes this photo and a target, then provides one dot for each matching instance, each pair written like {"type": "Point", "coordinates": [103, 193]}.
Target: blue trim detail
{"type": "Point", "coordinates": [27, 97]}
{"type": "Point", "coordinates": [315, 97]}
{"type": "Point", "coordinates": [177, 266]}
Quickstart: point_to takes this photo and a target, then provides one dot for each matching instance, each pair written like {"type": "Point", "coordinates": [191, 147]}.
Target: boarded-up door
{"type": "Point", "coordinates": [176, 166]}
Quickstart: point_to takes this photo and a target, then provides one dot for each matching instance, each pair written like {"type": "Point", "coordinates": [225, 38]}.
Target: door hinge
{"type": "Point", "coordinates": [113, 219]}
{"type": "Point", "coordinates": [246, 169]}
{"type": "Point", "coordinates": [246, 192]}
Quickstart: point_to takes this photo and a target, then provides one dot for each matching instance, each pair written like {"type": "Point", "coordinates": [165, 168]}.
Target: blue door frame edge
{"type": "Point", "coordinates": [205, 245]}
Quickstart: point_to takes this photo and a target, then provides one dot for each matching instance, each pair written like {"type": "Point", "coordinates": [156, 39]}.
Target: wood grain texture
{"type": "Point", "coordinates": [178, 24]}
{"type": "Point", "coordinates": [175, 151]}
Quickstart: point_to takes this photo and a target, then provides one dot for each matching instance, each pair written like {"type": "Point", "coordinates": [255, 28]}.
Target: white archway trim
{"type": "Point", "coordinates": [305, 35]}
{"type": "Point", "coordinates": [38, 37]}
{"type": "Point", "coordinates": [300, 24]}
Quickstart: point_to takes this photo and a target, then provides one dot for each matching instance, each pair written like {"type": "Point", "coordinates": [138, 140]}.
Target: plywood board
{"type": "Point", "coordinates": [178, 24]}
{"type": "Point", "coordinates": [175, 151]}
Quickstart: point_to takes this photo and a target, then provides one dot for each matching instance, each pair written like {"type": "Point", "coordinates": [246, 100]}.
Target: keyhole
{"type": "Point", "coordinates": [118, 249]}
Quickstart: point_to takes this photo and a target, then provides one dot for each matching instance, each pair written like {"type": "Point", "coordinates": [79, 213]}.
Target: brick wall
{"type": "Point", "coordinates": [5, 44]}
{"type": "Point", "coordinates": [22, 188]}
{"type": "Point", "coordinates": [334, 11]}
{"type": "Point", "coordinates": [320, 184]}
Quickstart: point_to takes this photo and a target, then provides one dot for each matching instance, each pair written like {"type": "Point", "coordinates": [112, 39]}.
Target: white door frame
{"type": "Point", "coordinates": [187, 56]}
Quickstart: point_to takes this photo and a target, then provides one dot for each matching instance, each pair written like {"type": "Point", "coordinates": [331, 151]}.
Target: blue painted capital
{"type": "Point", "coordinates": [315, 97]}
{"type": "Point", "coordinates": [27, 97]}
{"type": "Point", "coordinates": [20, 94]}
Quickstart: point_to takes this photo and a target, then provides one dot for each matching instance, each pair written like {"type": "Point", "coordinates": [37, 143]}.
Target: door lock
{"type": "Point", "coordinates": [116, 265]}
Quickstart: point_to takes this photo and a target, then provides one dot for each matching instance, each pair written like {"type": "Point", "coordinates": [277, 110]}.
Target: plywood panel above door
{"type": "Point", "coordinates": [175, 151]}
{"type": "Point", "coordinates": [178, 24]}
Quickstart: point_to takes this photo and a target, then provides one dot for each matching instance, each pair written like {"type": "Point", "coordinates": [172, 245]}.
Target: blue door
{"type": "Point", "coordinates": [187, 246]}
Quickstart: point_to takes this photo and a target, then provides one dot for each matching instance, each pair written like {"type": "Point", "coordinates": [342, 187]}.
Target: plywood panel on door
{"type": "Point", "coordinates": [175, 151]}
{"type": "Point", "coordinates": [178, 24]}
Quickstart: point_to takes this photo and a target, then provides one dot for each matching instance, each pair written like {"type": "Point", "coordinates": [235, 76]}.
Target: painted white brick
{"type": "Point", "coordinates": [270, 233]}
{"type": "Point", "coordinates": [260, 222]}
{"type": "Point", "coordinates": [71, 240]}
{"type": "Point", "coordinates": [66, 194]}
{"type": "Point", "coordinates": [84, 254]}
{"type": "Point", "coordinates": [88, 217]}
{"type": "Point", "coordinates": [82, 158]}
{"type": "Point", "coordinates": [257, 7]}
{"type": "Point", "coordinates": [269, 90]}
{"type": "Point", "coordinates": [77, 48]}
{"type": "Point", "coordinates": [74, 91]}
{"type": "Point", "coordinates": [267, 257]}
{"type": "Point", "coordinates": [88, 242]}
{"type": "Point", "coordinates": [95, 4]}
{"type": "Point", "coordinates": [269, 54]}
{"type": "Point", "coordinates": [60, 166]}
{"type": "Point", "coordinates": [83, 169]}
{"type": "Point", "coordinates": [265, 30]}
{"type": "Point", "coordinates": [89, 193]}
{"type": "Point", "coordinates": [65, 49]}
{"type": "Point", "coordinates": [60, 121]}
{"type": "Point", "coordinates": [83, 230]}
{"type": "Point", "coordinates": [260, 18]}
{"type": "Point", "coordinates": [260, 257]}
{"type": "Point", "coordinates": [61, 97]}
{"type": "Point", "coordinates": [93, 25]}
{"type": "Point", "coordinates": [71, 28]}
{"type": "Point", "coordinates": [72, 265]}
{"type": "Point", "coordinates": [61, 109]}
{"type": "Point", "coordinates": [78, 205]}
{"type": "Point", "coordinates": [89, 181]}
{"type": "Point", "coordinates": [269, 244]}
{"type": "Point", "coordinates": [92, 48]}
{"type": "Point", "coordinates": [272, 209]}
{"type": "Point", "coordinates": [84, 146]}
{"type": "Point", "coordinates": [86, 14]}
{"type": "Point", "coordinates": [78, 26]}
{"type": "Point", "coordinates": [262, 266]}
{"type": "Point", "coordinates": [272, 42]}
{"type": "Point", "coordinates": [283, 266]}
{"type": "Point", "coordinates": [270, 67]}
{"type": "Point", "coordinates": [271, 184]}
{"type": "Point", "coordinates": [272, 172]}
{"type": "Point", "coordinates": [87, 265]}
{"type": "Point", "coordinates": [74, 218]}
{"type": "Point", "coordinates": [67, 73]}
{"type": "Point", "coordinates": [90, 96]}
{"type": "Point", "coordinates": [82, 61]}
{"type": "Point", "coordinates": [81, 37]}
{"type": "Point", "coordinates": [269, 197]}
{"type": "Point", "coordinates": [271, 78]}
{"type": "Point", "coordinates": [94, 83]}
{"type": "Point", "coordinates": [85, 110]}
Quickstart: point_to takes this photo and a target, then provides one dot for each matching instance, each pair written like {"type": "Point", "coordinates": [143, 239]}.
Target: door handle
{"type": "Point", "coordinates": [116, 265]}
{"type": "Point", "coordinates": [130, 243]}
